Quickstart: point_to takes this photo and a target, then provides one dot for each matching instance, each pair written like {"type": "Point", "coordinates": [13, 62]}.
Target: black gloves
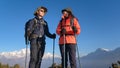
{"type": "Point", "coordinates": [54, 36]}
{"type": "Point", "coordinates": [74, 29]}
{"type": "Point", "coordinates": [63, 31]}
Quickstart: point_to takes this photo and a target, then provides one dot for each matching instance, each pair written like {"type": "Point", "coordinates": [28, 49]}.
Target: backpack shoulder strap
{"type": "Point", "coordinates": [72, 21]}
{"type": "Point", "coordinates": [35, 21]}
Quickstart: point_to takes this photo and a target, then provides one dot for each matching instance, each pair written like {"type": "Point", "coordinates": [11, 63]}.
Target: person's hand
{"type": "Point", "coordinates": [63, 31]}
{"type": "Point", "coordinates": [54, 36]}
{"type": "Point", "coordinates": [74, 29]}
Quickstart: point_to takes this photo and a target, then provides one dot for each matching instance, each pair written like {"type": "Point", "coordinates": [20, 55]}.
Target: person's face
{"type": "Point", "coordinates": [65, 14]}
{"type": "Point", "coordinates": [41, 12]}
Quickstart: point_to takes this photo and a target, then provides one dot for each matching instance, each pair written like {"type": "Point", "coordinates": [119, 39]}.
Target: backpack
{"type": "Point", "coordinates": [26, 33]}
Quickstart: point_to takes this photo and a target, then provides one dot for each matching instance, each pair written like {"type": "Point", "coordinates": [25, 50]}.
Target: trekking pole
{"type": "Point", "coordinates": [53, 51]}
{"type": "Point", "coordinates": [78, 52]}
{"type": "Point", "coordinates": [64, 51]}
{"type": "Point", "coordinates": [26, 56]}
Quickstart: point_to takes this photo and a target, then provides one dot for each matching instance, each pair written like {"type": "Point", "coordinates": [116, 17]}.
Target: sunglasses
{"type": "Point", "coordinates": [42, 10]}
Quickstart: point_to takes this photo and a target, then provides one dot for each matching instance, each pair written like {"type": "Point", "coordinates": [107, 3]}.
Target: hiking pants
{"type": "Point", "coordinates": [36, 53]}
{"type": "Point", "coordinates": [70, 51]}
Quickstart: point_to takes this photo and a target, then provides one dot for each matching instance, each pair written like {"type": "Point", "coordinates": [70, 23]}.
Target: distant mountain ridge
{"type": "Point", "coordinates": [101, 58]}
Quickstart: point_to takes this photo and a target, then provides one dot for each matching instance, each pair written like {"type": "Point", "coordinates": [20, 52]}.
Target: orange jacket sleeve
{"type": "Point", "coordinates": [58, 28]}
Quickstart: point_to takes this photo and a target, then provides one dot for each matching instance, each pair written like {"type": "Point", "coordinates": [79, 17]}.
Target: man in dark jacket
{"type": "Point", "coordinates": [36, 29]}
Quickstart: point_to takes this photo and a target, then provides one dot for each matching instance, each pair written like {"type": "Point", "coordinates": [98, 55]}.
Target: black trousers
{"type": "Point", "coordinates": [37, 48]}
{"type": "Point", "coordinates": [70, 51]}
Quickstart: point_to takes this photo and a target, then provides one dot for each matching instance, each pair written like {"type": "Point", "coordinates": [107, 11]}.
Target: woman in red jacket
{"type": "Point", "coordinates": [67, 28]}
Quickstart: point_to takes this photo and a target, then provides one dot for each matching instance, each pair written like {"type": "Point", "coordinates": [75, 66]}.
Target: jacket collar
{"type": "Point", "coordinates": [38, 18]}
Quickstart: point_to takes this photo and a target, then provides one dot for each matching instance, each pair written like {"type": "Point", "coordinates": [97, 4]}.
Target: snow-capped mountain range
{"type": "Point", "coordinates": [18, 57]}
{"type": "Point", "coordinates": [101, 58]}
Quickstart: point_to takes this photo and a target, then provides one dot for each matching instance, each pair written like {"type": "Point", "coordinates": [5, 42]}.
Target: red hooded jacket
{"type": "Point", "coordinates": [70, 35]}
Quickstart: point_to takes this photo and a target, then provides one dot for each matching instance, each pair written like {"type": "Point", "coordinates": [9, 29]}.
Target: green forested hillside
{"type": "Point", "coordinates": [8, 66]}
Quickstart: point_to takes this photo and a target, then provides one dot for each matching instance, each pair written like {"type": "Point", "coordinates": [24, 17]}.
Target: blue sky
{"type": "Point", "coordinates": [99, 21]}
